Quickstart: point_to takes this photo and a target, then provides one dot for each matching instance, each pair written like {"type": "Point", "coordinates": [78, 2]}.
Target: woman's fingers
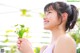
{"type": "Point", "coordinates": [18, 42]}
{"type": "Point", "coordinates": [24, 45]}
{"type": "Point", "coordinates": [18, 45]}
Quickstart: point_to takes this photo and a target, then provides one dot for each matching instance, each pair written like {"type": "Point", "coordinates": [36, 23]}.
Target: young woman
{"type": "Point", "coordinates": [59, 17]}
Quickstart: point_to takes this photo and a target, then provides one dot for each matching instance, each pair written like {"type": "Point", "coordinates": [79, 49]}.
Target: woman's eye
{"type": "Point", "coordinates": [49, 12]}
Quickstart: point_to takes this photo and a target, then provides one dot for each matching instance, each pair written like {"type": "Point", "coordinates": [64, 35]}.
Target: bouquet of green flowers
{"type": "Point", "coordinates": [21, 29]}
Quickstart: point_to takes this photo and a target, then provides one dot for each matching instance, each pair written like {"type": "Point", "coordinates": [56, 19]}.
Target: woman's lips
{"type": "Point", "coordinates": [46, 21]}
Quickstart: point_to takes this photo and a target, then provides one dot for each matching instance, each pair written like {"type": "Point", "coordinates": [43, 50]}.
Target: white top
{"type": "Point", "coordinates": [49, 49]}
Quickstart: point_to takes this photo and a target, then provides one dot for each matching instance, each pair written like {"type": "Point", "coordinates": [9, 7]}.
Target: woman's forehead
{"type": "Point", "coordinates": [49, 8]}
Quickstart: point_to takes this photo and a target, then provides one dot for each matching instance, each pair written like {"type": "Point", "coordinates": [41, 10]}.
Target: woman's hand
{"type": "Point", "coordinates": [24, 45]}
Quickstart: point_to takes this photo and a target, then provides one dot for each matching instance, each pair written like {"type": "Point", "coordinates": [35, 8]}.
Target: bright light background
{"type": "Point", "coordinates": [10, 15]}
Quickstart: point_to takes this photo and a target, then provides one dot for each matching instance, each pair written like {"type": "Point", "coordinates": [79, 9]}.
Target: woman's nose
{"type": "Point", "coordinates": [45, 18]}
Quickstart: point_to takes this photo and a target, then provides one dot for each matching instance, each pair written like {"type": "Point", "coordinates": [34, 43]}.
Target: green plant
{"type": "Point", "coordinates": [78, 50]}
{"type": "Point", "coordinates": [42, 15]}
{"type": "Point", "coordinates": [73, 0]}
{"type": "Point", "coordinates": [37, 49]}
{"type": "Point", "coordinates": [76, 34]}
{"type": "Point", "coordinates": [21, 30]}
{"type": "Point", "coordinates": [25, 12]}
{"type": "Point", "coordinates": [13, 49]}
{"type": "Point", "coordinates": [76, 37]}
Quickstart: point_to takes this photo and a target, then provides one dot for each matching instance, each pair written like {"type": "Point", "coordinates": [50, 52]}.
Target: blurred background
{"type": "Point", "coordinates": [25, 17]}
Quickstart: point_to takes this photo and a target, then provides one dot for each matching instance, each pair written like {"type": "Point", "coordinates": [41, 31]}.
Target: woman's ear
{"type": "Point", "coordinates": [64, 16]}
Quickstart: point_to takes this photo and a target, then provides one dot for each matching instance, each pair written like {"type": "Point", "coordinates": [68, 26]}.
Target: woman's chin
{"type": "Point", "coordinates": [46, 28]}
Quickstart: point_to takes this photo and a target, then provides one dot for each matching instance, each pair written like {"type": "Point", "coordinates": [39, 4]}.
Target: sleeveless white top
{"type": "Point", "coordinates": [49, 49]}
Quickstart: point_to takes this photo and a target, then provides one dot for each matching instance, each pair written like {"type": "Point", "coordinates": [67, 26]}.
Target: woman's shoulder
{"type": "Point", "coordinates": [66, 39]}
{"type": "Point", "coordinates": [65, 44]}
{"type": "Point", "coordinates": [43, 48]}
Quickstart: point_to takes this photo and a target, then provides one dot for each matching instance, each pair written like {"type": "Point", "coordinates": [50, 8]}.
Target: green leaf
{"type": "Point", "coordinates": [37, 50]}
{"type": "Point", "coordinates": [78, 50]}
{"type": "Point", "coordinates": [73, 0]}
{"type": "Point", "coordinates": [7, 31]}
{"type": "Point", "coordinates": [23, 12]}
{"type": "Point", "coordinates": [16, 25]}
{"type": "Point", "coordinates": [78, 19]}
{"type": "Point", "coordinates": [42, 15]}
{"type": "Point", "coordinates": [21, 32]}
{"type": "Point", "coordinates": [6, 40]}
{"type": "Point", "coordinates": [22, 26]}
{"type": "Point", "coordinates": [27, 30]}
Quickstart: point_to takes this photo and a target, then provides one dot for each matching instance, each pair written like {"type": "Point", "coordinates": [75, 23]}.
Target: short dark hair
{"type": "Point", "coordinates": [61, 7]}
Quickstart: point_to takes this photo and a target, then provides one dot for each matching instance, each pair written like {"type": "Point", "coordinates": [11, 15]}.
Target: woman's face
{"type": "Point", "coordinates": [51, 19]}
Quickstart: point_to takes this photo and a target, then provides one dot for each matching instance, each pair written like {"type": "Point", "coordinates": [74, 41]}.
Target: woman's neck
{"type": "Point", "coordinates": [56, 33]}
